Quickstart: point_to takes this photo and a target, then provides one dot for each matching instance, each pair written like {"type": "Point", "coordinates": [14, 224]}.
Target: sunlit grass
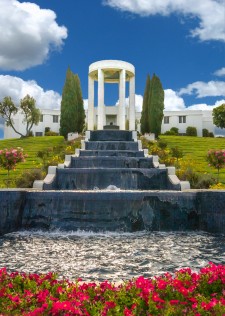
{"type": "Point", "coordinates": [31, 146]}
{"type": "Point", "coordinates": [196, 148]}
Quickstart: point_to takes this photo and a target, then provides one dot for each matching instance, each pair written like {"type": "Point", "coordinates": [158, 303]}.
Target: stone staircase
{"type": "Point", "coordinates": [105, 185]}
{"type": "Point", "coordinates": [111, 158]}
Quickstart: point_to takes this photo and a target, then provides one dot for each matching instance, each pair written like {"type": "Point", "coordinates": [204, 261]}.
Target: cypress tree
{"type": "Point", "coordinates": [155, 106]}
{"type": "Point", "coordinates": [144, 113]}
{"type": "Point", "coordinates": [80, 105]}
{"type": "Point", "coordinates": [72, 107]}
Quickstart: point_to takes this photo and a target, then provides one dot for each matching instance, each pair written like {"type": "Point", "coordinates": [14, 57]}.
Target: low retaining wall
{"type": "Point", "coordinates": [11, 210]}
{"type": "Point", "coordinates": [113, 210]}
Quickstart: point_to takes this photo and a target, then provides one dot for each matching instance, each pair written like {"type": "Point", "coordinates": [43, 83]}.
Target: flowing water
{"type": "Point", "coordinates": [112, 256]}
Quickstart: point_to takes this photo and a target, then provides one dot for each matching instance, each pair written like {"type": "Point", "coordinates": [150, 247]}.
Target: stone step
{"type": "Point", "coordinates": [111, 135]}
{"type": "Point", "coordinates": [111, 145]}
{"type": "Point", "coordinates": [111, 162]}
{"type": "Point", "coordinates": [110, 153]}
{"type": "Point", "coordinates": [102, 178]}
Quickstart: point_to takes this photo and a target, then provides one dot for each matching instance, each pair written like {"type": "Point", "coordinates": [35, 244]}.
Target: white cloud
{"type": "Point", "coordinates": [220, 72]}
{"type": "Point", "coordinates": [28, 34]}
{"type": "Point", "coordinates": [17, 89]}
{"type": "Point", "coordinates": [172, 101]}
{"type": "Point", "coordinates": [138, 102]}
{"type": "Point", "coordinates": [204, 106]}
{"type": "Point", "coordinates": [210, 13]}
{"type": "Point", "coordinates": [205, 89]}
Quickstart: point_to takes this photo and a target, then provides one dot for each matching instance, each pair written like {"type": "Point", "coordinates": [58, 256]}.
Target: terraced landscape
{"type": "Point", "coordinates": [194, 149]}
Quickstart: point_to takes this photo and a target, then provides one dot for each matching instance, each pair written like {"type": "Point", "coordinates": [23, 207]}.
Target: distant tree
{"type": "Point", "coordinates": [72, 107]}
{"type": "Point", "coordinates": [155, 106]}
{"type": "Point", "coordinates": [32, 114]}
{"type": "Point", "coordinates": [144, 113]}
{"type": "Point", "coordinates": [68, 105]}
{"type": "Point", "coordinates": [28, 109]}
{"type": "Point", "coordinates": [219, 116]}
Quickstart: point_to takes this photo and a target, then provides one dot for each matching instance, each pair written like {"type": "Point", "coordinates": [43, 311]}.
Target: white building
{"type": "Point", "coordinates": [100, 115]}
{"type": "Point", "coordinates": [180, 119]}
{"type": "Point", "coordinates": [49, 118]}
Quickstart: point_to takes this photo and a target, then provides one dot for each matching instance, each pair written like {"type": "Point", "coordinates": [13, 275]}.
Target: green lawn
{"type": "Point", "coordinates": [196, 148]}
{"type": "Point", "coordinates": [31, 146]}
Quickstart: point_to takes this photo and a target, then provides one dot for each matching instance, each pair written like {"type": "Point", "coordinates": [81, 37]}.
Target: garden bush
{"type": "Point", "coordinates": [27, 178]}
{"type": "Point", "coordinates": [146, 143]}
{"type": "Point", "coordinates": [191, 131]}
{"type": "Point", "coordinates": [51, 133]}
{"type": "Point", "coordinates": [205, 132]}
{"type": "Point", "coordinates": [162, 144]}
{"type": "Point", "coordinates": [203, 181]}
{"type": "Point", "coordinates": [172, 132]}
{"type": "Point", "coordinates": [175, 130]}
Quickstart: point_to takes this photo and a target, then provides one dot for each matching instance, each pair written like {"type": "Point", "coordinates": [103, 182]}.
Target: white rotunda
{"type": "Point", "coordinates": [111, 71]}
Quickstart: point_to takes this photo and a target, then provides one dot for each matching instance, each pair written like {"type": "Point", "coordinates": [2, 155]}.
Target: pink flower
{"type": "Point", "coordinates": [174, 302]}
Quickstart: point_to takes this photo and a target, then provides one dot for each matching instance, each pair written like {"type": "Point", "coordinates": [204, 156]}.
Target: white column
{"type": "Point", "coordinates": [132, 104]}
{"type": "Point", "coordinates": [101, 106]}
{"type": "Point", "coordinates": [122, 90]}
{"type": "Point", "coordinates": [91, 113]}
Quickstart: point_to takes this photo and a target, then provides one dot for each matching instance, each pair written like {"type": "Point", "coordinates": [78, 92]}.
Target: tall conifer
{"type": "Point", "coordinates": [144, 113]}
{"type": "Point", "coordinates": [156, 105]}
{"type": "Point", "coordinates": [72, 107]}
{"type": "Point", "coordinates": [80, 105]}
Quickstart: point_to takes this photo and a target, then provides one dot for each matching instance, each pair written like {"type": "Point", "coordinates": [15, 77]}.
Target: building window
{"type": "Point", "coordinates": [166, 119]}
{"type": "Point", "coordinates": [55, 118]}
{"type": "Point", "coordinates": [182, 119]}
{"type": "Point", "coordinates": [38, 134]}
{"type": "Point", "coordinates": [41, 118]}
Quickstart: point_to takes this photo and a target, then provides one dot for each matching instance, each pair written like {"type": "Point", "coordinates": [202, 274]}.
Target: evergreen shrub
{"type": "Point", "coordinates": [191, 131]}
{"type": "Point", "coordinates": [205, 132]}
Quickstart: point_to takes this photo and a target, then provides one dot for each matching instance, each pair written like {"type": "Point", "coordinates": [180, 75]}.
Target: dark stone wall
{"type": "Point", "coordinates": [11, 210]}
{"type": "Point", "coordinates": [212, 205]}
{"type": "Point", "coordinates": [113, 210]}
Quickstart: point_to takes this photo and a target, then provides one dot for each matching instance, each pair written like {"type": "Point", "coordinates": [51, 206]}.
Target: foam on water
{"type": "Point", "coordinates": [108, 255]}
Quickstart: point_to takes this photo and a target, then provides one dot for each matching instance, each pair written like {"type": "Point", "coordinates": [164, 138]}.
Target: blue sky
{"type": "Point", "coordinates": [182, 41]}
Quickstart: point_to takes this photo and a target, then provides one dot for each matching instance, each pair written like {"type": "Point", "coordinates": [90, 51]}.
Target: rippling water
{"type": "Point", "coordinates": [112, 256]}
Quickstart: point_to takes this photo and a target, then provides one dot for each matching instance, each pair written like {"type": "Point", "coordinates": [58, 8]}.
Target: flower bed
{"type": "Point", "coordinates": [184, 293]}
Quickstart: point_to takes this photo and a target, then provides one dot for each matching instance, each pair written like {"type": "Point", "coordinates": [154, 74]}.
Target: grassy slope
{"type": "Point", "coordinates": [196, 148]}
{"type": "Point", "coordinates": [30, 146]}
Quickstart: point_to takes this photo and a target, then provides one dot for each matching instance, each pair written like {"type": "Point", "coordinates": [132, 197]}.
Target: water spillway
{"type": "Point", "coordinates": [111, 184]}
